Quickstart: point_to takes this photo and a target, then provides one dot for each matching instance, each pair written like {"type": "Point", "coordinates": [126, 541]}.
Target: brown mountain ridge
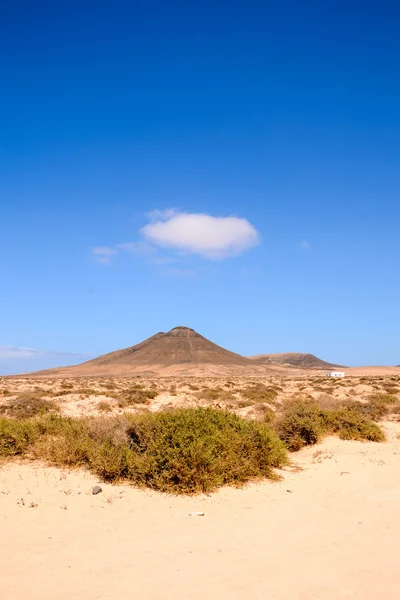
{"type": "Point", "coordinates": [294, 359]}
{"type": "Point", "coordinates": [181, 345]}
{"type": "Point", "coordinates": [183, 351]}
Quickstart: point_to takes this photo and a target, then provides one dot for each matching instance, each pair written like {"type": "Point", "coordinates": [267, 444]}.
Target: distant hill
{"type": "Point", "coordinates": [294, 359]}
{"type": "Point", "coordinates": [183, 351]}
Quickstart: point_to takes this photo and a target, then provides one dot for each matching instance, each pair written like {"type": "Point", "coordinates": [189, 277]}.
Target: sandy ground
{"type": "Point", "coordinates": [330, 531]}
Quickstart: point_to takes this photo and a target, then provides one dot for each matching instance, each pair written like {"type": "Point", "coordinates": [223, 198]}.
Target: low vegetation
{"type": "Point", "coordinates": [28, 405]}
{"type": "Point", "coordinates": [136, 395]}
{"type": "Point", "coordinates": [192, 449]}
{"type": "Point", "coordinates": [259, 392]}
{"type": "Point", "coordinates": [180, 451]}
{"type": "Point", "coordinates": [304, 423]}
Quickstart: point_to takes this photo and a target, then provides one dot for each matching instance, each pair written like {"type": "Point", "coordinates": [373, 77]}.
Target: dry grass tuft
{"type": "Point", "coordinates": [104, 406]}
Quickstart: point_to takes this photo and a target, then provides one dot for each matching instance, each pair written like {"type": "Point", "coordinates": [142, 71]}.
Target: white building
{"type": "Point", "coordinates": [335, 374]}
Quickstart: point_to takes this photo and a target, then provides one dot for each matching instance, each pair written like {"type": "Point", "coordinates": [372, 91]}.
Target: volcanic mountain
{"type": "Point", "coordinates": [178, 346]}
{"type": "Point", "coordinates": [178, 350]}
{"type": "Point", "coordinates": [294, 359]}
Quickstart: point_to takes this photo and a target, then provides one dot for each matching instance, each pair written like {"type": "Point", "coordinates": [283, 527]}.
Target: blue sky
{"type": "Point", "coordinates": [267, 135]}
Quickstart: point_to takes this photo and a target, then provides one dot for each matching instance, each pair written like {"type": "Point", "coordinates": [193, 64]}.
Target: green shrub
{"type": "Point", "coordinates": [197, 450]}
{"type": "Point", "coordinates": [16, 436]}
{"type": "Point", "coordinates": [351, 425]}
{"type": "Point", "coordinates": [303, 423]}
{"type": "Point", "coordinates": [178, 451]}
{"type": "Point", "coordinates": [376, 407]}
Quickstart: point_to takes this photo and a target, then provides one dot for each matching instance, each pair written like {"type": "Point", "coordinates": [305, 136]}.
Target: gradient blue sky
{"type": "Point", "coordinates": [284, 114]}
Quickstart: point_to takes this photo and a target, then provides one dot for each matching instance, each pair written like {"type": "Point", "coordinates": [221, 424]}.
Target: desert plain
{"type": "Point", "coordinates": [327, 528]}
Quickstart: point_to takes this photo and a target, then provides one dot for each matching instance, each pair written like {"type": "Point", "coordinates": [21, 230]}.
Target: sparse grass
{"type": "Point", "coordinates": [136, 395]}
{"type": "Point", "coordinates": [178, 451]}
{"type": "Point", "coordinates": [259, 392]}
{"type": "Point", "coordinates": [86, 392]}
{"type": "Point", "coordinates": [212, 394]}
{"type": "Point", "coordinates": [57, 393]}
{"type": "Point", "coordinates": [245, 403]}
{"type": "Point", "coordinates": [391, 388]}
{"type": "Point", "coordinates": [28, 405]}
{"type": "Point", "coordinates": [104, 406]}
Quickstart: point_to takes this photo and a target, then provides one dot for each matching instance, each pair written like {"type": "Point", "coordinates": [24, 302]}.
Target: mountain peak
{"type": "Point", "coordinates": [181, 330]}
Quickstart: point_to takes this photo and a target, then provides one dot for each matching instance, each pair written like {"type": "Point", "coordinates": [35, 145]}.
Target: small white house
{"type": "Point", "coordinates": [335, 374]}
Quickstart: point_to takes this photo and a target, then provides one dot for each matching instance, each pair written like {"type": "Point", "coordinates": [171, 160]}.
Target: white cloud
{"type": "Point", "coordinates": [21, 352]}
{"type": "Point", "coordinates": [161, 215]}
{"type": "Point", "coordinates": [210, 237]}
{"type": "Point", "coordinates": [103, 254]}
{"type": "Point", "coordinates": [139, 248]}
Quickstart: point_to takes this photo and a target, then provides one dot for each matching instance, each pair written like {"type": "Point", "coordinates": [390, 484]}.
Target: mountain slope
{"type": "Point", "coordinates": [181, 347]}
{"type": "Point", "coordinates": [178, 346]}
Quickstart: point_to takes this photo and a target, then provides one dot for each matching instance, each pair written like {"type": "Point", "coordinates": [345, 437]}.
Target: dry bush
{"type": "Point", "coordinates": [390, 388]}
{"type": "Point", "coordinates": [28, 405]}
{"type": "Point", "coordinates": [351, 425]}
{"type": "Point", "coordinates": [327, 402]}
{"type": "Point", "coordinates": [258, 392]}
{"type": "Point", "coordinates": [136, 395]}
{"type": "Point", "coordinates": [229, 383]}
{"type": "Point", "coordinates": [244, 403]}
{"type": "Point", "coordinates": [264, 413]}
{"type": "Point", "coordinates": [67, 386]}
{"type": "Point", "coordinates": [177, 451]}
{"type": "Point", "coordinates": [212, 394]}
{"type": "Point", "coordinates": [57, 393]}
{"type": "Point", "coordinates": [304, 423]}
{"type": "Point", "coordinates": [87, 391]}
{"type": "Point", "coordinates": [198, 450]}
{"type": "Point", "coordinates": [104, 406]}
{"type": "Point", "coordinates": [192, 387]}
{"type": "Point", "coordinates": [376, 407]}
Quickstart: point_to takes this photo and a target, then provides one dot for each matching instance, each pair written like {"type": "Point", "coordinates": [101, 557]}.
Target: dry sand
{"type": "Point", "coordinates": [328, 532]}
